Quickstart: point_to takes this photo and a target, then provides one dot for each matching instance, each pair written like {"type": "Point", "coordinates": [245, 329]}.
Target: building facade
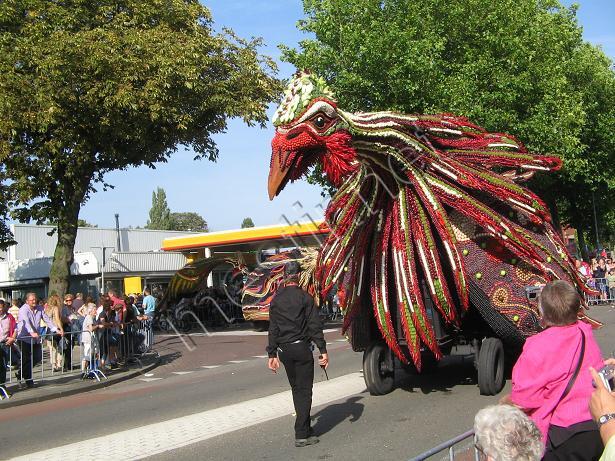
{"type": "Point", "coordinates": [110, 254]}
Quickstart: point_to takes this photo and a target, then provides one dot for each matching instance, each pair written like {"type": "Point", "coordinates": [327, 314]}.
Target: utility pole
{"type": "Point", "coordinates": [102, 266]}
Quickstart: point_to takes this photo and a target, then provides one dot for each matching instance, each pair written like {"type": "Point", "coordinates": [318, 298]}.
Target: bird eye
{"type": "Point", "coordinates": [320, 121]}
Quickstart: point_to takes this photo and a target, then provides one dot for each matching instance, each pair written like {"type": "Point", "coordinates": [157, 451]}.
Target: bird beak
{"type": "Point", "coordinates": [278, 172]}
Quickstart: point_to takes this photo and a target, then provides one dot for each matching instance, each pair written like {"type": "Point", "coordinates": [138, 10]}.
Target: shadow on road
{"type": "Point", "coordinates": [169, 357]}
{"type": "Point", "coordinates": [332, 415]}
{"type": "Point", "coordinates": [452, 371]}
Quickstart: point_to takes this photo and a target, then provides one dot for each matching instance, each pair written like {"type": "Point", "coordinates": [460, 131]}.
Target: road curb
{"type": "Point", "coordinates": [79, 390]}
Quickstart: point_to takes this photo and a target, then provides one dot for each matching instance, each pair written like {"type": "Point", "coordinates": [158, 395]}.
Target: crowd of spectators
{"type": "Point", "coordinates": [600, 274]}
{"type": "Point", "coordinates": [100, 329]}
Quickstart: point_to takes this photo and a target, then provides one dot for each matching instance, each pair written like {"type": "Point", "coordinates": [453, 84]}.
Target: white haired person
{"type": "Point", "coordinates": [505, 433]}
{"type": "Point", "coordinates": [89, 341]}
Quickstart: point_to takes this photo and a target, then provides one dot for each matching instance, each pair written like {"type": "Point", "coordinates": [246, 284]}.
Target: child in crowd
{"type": "Point", "coordinates": [89, 341]}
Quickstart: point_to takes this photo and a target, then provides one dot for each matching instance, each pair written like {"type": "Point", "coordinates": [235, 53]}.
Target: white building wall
{"type": "Point", "coordinates": [34, 242]}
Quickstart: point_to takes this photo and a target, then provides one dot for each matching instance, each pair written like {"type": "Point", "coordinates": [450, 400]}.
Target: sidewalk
{"type": "Point", "coordinates": [70, 384]}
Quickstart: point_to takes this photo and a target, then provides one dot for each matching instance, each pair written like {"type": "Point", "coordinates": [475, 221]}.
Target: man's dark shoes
{"type": "Point", "coordinates": [311, 440]}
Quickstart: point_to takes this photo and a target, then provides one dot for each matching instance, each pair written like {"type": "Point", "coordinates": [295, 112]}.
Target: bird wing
{"type": "Point", "coordinates": [394, 212]}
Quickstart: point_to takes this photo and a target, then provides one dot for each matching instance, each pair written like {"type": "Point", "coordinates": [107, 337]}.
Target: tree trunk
{"type": "Point", "coordinates": [59, 275]}
{"type": "Point", "coordinates": [68, 217]}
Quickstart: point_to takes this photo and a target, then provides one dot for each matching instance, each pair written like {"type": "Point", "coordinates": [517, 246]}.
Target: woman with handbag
{"type": "Point", "coordinates": [551, 381]}
{"type": "Point", "coordinates": [53, 311]}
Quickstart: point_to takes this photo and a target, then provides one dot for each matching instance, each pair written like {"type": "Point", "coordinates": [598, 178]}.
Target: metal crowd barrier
{"type": "Point", "coordinates": [51, 357]}
{"type": "Point", "coordinates": [459, 448]}
{"type": "Point", "coordinates": [607, 294]}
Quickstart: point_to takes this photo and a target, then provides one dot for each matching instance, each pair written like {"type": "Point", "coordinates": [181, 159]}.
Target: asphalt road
{"type": "Point", "coordinates": [422, 412]}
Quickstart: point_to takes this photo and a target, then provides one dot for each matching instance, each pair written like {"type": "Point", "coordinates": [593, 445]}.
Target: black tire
{"type": "Point", "coordinates": [261, 325]}
{"type": "Point", "coordinates": [491, 366]}
{"type": "Point", "coordinates": [378, 370]}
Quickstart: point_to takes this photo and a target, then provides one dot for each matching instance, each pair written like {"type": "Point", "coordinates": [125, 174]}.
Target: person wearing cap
{"type": "Point", "coordinates": [293, 324]}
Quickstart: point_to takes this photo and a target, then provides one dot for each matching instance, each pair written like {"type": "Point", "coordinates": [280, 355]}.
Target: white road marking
{"type": "Point", "coordinates": [147, 375]}
{"type": "Point", "coordinates": [260, 356]}
{"type": "Point", "coordinates": [341, 340]}
{"type": "Point", "coordinates": [237, 361]}
{"type": "Point", "coordinates": [149, 380]}
{"type": "Point", "coordinates": [181, 372]}
{"type": "Point", "coordinates": [230, 333]}
{"type": "Point", "coordinates": [179, 432]}
{"type": "Point", "coordinates": [209, 366]}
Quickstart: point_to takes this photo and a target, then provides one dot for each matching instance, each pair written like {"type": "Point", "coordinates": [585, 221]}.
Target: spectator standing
{"type": "Point", "coordinates": [14, 309]}
{"type": "Point", "coordinates": [583, 268]}
{"type": "Point", "coordinates": [115, 299]}
{"type": "Point", "coordinates": [610, 279]}
{"type": "Point", "coordinates": [29, 319]}
{"type": "Point", "coordinates": [550, 381]}
{"type": "Point", "coordinates": [89, 340]}
{"type": "Point", "coordinates": [78, 302]}
{"type": "Point", "coordinates": [53, 311]}
{"type": "Point", "coordinates": [8, 335]}
{"type": "Point", "coordinates": [107, 340]}
{"type": "Point", "coordinates": [149, 304]}
{"type": "Point", "coordinates": [505, 433]}
{"type": "Point", "coordinates": [600, 276]}
{"type": "Point", "coordinates": [68, 318]}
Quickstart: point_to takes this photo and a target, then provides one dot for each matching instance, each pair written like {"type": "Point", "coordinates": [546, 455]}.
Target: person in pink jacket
{"type": "Point", "coordinates": [546, 367]}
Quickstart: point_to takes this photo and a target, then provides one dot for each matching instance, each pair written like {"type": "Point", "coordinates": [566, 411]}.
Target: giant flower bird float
{"type": "Point", "coordinates": [433, 238]}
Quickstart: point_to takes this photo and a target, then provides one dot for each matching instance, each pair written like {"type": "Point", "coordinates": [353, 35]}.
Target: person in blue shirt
{"type": "Point", "coordinates": [149, 304]}
{"type": "Point", "coordinates": [28, 337]}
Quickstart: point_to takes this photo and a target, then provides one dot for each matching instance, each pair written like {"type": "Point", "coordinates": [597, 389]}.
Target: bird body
{"type": "Point", "coordinates": [431, 198]}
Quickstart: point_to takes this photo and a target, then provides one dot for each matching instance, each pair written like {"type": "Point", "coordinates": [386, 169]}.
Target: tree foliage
{"type": "Point", "coordinates": [159, 213]}
{"type": "Point", "coordinates": [247, 222]}
{"type": "Point", "coordinates": [92, 86]}
{"type": "Point", "coordinates": [188, 221]}
{"type": "Point", "coordinates": [6, 236]}
{"type": "Point", "coordinates": [518, 66]}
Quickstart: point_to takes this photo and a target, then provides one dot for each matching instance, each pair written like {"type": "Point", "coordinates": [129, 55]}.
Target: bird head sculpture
{"type": "Point", "coordinates": [309, 129]}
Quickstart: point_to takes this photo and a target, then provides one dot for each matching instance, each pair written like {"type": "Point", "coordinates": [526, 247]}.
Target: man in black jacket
{"type": "Point", "coordinates": [293, 324]}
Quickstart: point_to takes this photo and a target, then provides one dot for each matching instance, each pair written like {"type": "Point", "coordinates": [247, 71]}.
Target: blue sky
{"type": "Point", "coordinates": [234, 187]}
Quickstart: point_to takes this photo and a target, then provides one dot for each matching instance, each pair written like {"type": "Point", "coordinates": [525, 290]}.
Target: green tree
{"type": "Point", "coordinates": [6, 236]}
{"type": "Point", "coordinates": [247, 222]}
{"type": "Point", "coordinates": [188, 221]}
{"type": "Point", "coordinates": [80, 223]}
{"type": "Point", "coordinates": [518, 66]}
{"type": "Point", "coordinates": [159, 213]}
{"type": "Point", "coordinates": [92, 86]}
{"type": "Point", "coordinates": [84, 223]}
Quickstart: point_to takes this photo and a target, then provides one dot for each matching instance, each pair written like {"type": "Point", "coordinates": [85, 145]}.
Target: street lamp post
{"type": "Point", "coordinates": [102, 266]}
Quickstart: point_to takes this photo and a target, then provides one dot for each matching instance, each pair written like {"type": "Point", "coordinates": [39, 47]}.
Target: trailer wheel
{"type": "Point", "coordinates": [378, 369]}
{"type": "Point", "coordinates": [491, 366]}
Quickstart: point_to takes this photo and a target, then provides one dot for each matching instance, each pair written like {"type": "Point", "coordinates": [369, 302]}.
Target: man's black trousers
{"type": "Point", "coordinates": [31, 355]}
{"type": "Point", "coordinates": [299, 363]}
{"type": "Point", "coordinates": [4, 357]}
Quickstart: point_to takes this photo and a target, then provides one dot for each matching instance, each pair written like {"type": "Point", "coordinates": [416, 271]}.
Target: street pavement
{"type": "Point", "coordinates": [213, 398]}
